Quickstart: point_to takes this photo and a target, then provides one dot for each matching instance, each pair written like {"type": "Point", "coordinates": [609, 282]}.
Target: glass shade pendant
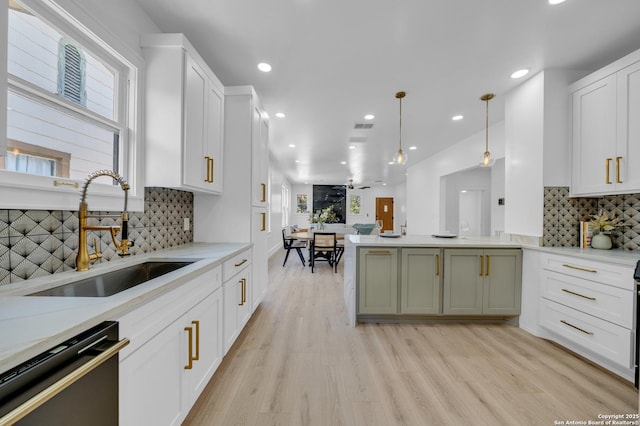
{"type": "Point", "coordinates": [401, 157]}
{"type": "Point", "coordinates": [487, 161]}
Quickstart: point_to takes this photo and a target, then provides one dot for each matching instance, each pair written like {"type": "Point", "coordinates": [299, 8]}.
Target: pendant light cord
{"type": "Point", "coordinates": [400, 146]}
{"type": "Point", "coordinates": [486, 125]}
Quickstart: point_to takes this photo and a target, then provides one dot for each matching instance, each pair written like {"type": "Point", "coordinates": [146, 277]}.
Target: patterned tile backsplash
{"type": "Point", "coordinates": [34, 243]}
{"type": "Point", "coordinates": [562, 216]}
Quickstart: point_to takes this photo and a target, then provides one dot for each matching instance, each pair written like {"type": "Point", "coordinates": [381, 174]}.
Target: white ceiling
{"type": "Point", "coordinates": [336, 60]}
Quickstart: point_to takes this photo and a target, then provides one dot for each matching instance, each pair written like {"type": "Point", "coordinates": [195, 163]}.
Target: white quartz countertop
{"type": "Point", "coordinates": [622, 257]}
{"type": "Point", "coordinates": [30, 325]}
{"type": "Point", "coordinates": [429, 241]}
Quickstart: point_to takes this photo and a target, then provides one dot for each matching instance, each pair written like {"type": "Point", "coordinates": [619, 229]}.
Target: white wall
{"type": "Point", "coordinates": [497, 192]}
{"type": "Point", "coordinates": [423, 179]}
{"type": "Point", "coordinates": [524, 109]}
{"type": "Point", "coordinates": [537, 118]}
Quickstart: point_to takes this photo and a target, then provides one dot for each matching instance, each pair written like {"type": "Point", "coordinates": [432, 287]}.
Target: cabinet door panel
{"type": "Point", "coordinates": [628, 152]}
{"type": "Point", "coordinates": [195, 164]}
{"type": "Point", "coordinates": [208, 346]}
{"type": "Point", "coordinates": [462, 282]}
{"type": "Point", "coordinates": [502, 289]}
{"type": "Point", "coordinates": [378, 281]}
{"type": "Point", "coordinates": [150, 381]}
{"type": "Point", "coordinates": [232, 299]}
{"type": "Point", "coordinates": [420, 281]}
{"type": "Point", "coordinates": [594, 133]}
{"type": "Point", "coordinates": [214, 141]}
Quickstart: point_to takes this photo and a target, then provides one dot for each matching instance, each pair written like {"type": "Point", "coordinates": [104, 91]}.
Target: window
{"type": "Point", "coordinates": [285, 206]}
{"type": "Point", "coordinates": [71, 102]}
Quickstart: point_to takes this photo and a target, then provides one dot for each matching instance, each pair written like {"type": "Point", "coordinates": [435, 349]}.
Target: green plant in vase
{"type": "Point", "coordinates": [603, 225]}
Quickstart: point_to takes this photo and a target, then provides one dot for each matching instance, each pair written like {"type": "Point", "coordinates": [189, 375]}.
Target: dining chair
{"type": "Point", "coordinates": [323, 248]}
{"type": "Point", "coordinates": [289, 244]}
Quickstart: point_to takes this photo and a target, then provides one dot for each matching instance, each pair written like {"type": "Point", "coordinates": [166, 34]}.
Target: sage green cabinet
{"type": "Point", "coordinates": [482, 282]}
{"type": "Point", "coordinates": [420, 280]}
{"type": "Point", "coordinates": [378, 281]}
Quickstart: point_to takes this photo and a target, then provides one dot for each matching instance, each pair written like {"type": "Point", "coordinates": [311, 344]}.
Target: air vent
{"type": "Point", "coordinates": [363, 126]}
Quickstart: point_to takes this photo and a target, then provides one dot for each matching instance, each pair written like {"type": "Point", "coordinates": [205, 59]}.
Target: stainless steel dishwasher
{"type": "Point", "coordinates": [73, 383]}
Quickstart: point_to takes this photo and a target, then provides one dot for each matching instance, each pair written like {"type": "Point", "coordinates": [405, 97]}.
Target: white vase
{"type": "Point", "coordinates": [601, 241]}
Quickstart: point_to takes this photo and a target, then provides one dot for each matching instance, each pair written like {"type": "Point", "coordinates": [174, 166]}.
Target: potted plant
{"type": "Point", "coordinates": [603, 224]}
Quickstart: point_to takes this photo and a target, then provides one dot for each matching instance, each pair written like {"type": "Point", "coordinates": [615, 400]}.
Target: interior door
{"type": "Point", "coordinates": [384, 212]}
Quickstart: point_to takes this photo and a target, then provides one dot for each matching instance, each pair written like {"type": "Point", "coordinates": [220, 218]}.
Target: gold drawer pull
{"type": "Point", "coordinates": [63, 183]}
{"type": "Point", "coordinates": [566, 265]}
{"type": "Point", "coordinates": [577, 328]}
{"type": "Point", "coordinates": [197, 325]}
{"type": "Point", "coordinates": [189, 331]}
{"type": "Point", "coordinates": [379, 252]}
{"type": "Point", "coordinates": [481, 266]}
{"type": "Point", "coordinates": [264, 192]}
{"type": "Point", "coordinates": [618, 169]}
{"type": "Point", "coordinates": [243, 290]}
{"type": "Point", "coordinates": [264, 222]}
{"type": "Point", "coordinates": [242, 262]}
{"type": "Point", "coordinates": [437, 265]}
{"type": "Point", "coordinates": [606, 167]}
{"type": "Point", "coordinates": [488, 265]}
{"type": "Point", "coordinates": [207, 159]}
{"type": "Point", "coordinates": [578, 294]}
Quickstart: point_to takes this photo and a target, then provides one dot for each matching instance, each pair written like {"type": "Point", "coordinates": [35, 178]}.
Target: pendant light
{"type": "Point", "coordinates": [400, 157]}
{"type": "Point", "coordinates": [487, 161]}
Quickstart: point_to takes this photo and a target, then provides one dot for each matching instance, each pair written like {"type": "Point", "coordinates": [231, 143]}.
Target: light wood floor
{"type": "Point", "coordinates": [298, 363]}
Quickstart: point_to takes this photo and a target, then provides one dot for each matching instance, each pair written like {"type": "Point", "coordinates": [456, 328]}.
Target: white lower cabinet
{"type": "Point", "coordinates": [238, 294]}
{"type": "Point", "coordinates": [588, 306]}
{"type": "Point", "coordinates": [176, 346]}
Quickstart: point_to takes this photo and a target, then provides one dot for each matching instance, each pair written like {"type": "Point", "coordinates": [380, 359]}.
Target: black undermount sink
{"type": "Point", "coordinates": [113, 282]}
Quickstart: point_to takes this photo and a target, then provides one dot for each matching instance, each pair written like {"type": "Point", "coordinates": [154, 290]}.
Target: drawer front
{"type": "Point", "coordinates": [236, 264]}
{"type": "Point", "coordinates": [599, 337]}
{"type": "Point", "coordinates": [615, 275]}
{"type": "Point", "coordinates": [606, 302]}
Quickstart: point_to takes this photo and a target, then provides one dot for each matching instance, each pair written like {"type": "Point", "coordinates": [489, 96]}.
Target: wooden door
{"type": "Point", "coordinates": [384, 212]}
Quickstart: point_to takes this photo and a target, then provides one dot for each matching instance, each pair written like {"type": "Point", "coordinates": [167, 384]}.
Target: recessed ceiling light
{"type": "Point", "coordinates": [520, 73]}
{"type": "Point", "coordinates": [264, 67]}
{"type": "Point", "coordinates": [343, 162]}
{"type": "Point", "coordinates": [457, 117]}
{"type": "Point", "coordinates": [369, 117]}
{"type": "Point", "coordinates": [555, 1]}
{"type": "Point", "coordinates": [280, 115]}
{"type": "Point", "coordinates": [413, 148]}
{"type": "Point", "coordinates": [292, 145]}
{"type": "Point", "coordinates": [392, 162]}
{"type": "Point", "coordinates": [352, 147]}
{"type": "Point", "coordinates": [298, 161]}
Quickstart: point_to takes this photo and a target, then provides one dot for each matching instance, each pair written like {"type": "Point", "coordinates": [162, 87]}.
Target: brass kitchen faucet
{"type": "Point", "coordinates": [83, 259]}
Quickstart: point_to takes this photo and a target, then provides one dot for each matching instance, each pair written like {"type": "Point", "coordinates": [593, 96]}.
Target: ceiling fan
{"type": "Point", "coordinates": [350, 185]}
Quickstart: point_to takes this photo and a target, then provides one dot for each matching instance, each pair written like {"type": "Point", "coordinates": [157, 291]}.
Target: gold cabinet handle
{"type": "Point", "coordinates": [488, 265]}
{"type": "Point", "coordinates": [197, 326]}
{"type": "Point", "coordinates": [207, 159]}
{"type": "Point", "coordinates": [264, 192]}
{"type": "Point", "coordinates": [437, 265]}
{"type": "Point", "coordinates": [264, 221]}
{"type": "Point", "coordinates": [481, 266]}
{"type": "Point", "coordinates": [37, 400]}
{"type": "Point", "coordinates": [578, 294]}
{"type": "Point", "coordinates": [566, 265]}
{"type": "Point", "coordinates": [242, 262]}
{"type": "Point", "coordinates": [189, 331]}
{"type": "Point", "coordinates": [606, 167]}
{"type": "Point", "coordinates": [211, 176]}
{"type": "Point", "coordinates": [576, 327]}
{"type": "Point", "coordinates": [243, 291]}
{"type": "Point", "coordinates": [379, 252]}
{"type": "Point", "coordinates": [618, 169]}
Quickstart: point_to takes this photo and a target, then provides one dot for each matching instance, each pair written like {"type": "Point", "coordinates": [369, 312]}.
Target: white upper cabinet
{"type": "Point", "coordinates": [184, 117]}
{"type": "Point", "coordinates": [605, 131]}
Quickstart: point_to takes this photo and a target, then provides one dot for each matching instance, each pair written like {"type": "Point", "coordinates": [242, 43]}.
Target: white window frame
{"type": "Point", "coordinates": [24, 191]}
{"type": "Point", "coordinates": [286, 212]}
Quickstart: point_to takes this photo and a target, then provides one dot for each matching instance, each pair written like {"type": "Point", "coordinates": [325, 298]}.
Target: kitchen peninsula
{"type": "Point", "coordinates": [420, 278]}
